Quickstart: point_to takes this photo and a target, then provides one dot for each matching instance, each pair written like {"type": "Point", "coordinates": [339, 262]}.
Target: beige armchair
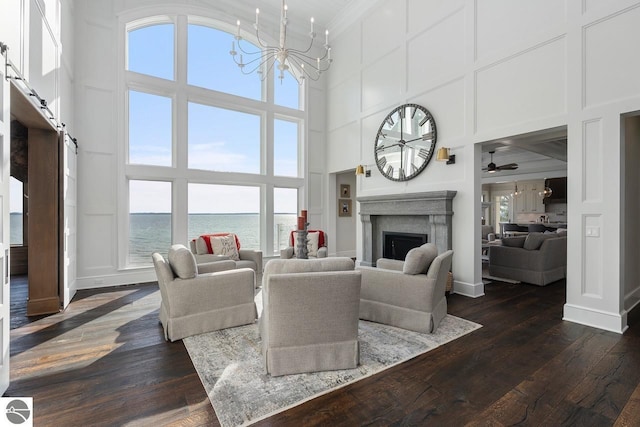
{"type": "Point", "coordinates": [408, 294]}
{"type": "Point", "coordinates": [242, 258]}
{"type": "Point", "coordinates": [317, 245]}
{"type": "Point", "coordinates": [194, 302]}
{"type": "Point", "coordinates": [309, 319]}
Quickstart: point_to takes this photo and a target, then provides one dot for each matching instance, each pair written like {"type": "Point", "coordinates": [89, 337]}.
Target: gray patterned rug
{"type": "Point", "coordinates": [230, 366]}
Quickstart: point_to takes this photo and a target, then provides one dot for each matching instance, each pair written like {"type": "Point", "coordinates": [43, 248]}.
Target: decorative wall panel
{"type": "Point", "coordinates": [527, 86]}
{"type": "Point", "coordinates": [503, 24]}
{"type": "Point", "coordinates": [611, 70]}
{"type": "Point", "coordinates": [592, 161]}
{"type": "Point", "coordinates": [383, 81]}
{"type": "Point", "coordinates": [424, 14]}
{"type": "Point", "coordinates": [437, 62]}
{"type": "Point", "coordinates": [389, 14]}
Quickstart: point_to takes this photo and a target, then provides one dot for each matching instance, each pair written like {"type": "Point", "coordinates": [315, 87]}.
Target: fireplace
{"type": "Point", "coordinates": [396, 245]}
{"type": "Point", "coordinates": [427, 213]}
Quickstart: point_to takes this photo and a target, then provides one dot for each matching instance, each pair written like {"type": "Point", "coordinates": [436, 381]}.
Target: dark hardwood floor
{"type": "Point", "coordinates": [104, 362]}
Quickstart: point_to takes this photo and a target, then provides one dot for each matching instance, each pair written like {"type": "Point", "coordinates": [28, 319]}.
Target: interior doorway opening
{"type": "Point", "coordinates": [630, 226]}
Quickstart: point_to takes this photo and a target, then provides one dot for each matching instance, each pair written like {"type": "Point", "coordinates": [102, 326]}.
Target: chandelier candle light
{"type": "Point", "coordinates": [298, 62]}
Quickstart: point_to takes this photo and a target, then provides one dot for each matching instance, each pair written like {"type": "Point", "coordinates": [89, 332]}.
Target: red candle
{"type": "Point", "coordinates": [300, 223]}
{"type": "Point", "coordinates": [304, 215]}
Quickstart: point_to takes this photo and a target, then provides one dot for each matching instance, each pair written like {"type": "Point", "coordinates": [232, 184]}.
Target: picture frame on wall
{"type": "Point", "coordinates": [345, 191]}
{"type": "Point", "coordinates": [344, 207]}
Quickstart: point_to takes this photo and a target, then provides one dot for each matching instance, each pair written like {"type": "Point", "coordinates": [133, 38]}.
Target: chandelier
{"type": "Point", "coordinates": [298, 62]}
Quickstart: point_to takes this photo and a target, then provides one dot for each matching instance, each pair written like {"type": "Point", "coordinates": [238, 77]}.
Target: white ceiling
{"type": "Point", "coordinates": [535, 153]}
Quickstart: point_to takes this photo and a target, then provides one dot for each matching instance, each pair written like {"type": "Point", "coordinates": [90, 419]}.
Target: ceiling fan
{"type": "Point", "coordinates": [492, 168]}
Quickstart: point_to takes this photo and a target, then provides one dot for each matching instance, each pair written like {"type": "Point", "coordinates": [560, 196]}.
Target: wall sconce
{"type": "Point", "coordinates": [363, 170]}
{"type": "Point", "coordinates": [444, 156]}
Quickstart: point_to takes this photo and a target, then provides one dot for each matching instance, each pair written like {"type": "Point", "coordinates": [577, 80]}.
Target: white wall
{"type": "Point", "coordinates": [99, 116]}
{"type": "Point", "coordinates": [490, 69]}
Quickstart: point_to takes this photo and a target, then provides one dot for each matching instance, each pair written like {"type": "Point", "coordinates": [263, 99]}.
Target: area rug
{"type": "Point", "coordinates": [230, 366]}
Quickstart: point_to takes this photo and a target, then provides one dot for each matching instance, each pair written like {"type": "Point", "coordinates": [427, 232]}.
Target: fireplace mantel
{"type": "Point", "coordinates": [426, 212]}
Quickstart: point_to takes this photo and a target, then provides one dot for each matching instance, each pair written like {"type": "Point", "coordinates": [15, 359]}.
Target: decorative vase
{"type": "Point", "coordinates": [302, 252]}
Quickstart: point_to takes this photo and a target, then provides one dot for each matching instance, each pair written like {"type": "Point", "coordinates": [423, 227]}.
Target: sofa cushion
{"type": "Point", "coordinates": [182, 262]}
{"type": "Point", "coordinates": [225, 245]}
{"type": "Point", "coordinates": [418, 260]}
{"type": "Point", "coordinates": [514, 242]}
{"type": "Point", "coordinates": [561, 231]}
{"type": "Point", "coordinates": [533, 241]}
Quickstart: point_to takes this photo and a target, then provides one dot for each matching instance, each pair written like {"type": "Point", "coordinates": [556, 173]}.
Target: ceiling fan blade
{"type": "Point", "coordinates": [508, 166]}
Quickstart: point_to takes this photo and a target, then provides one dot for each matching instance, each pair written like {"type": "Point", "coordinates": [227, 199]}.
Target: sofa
{"type": "Point", "coordinates": [194, 302]}
{"type": "Point", "coordinates": [204, 250]}
{"type": "Point", "coordinates": [487, 234]}
{"type": "Point", "coordinates": [309, 319]}
{"type": "Point", "coordinates": [538, 258]}
{"type": "Point", "coordinates": [408, 294]}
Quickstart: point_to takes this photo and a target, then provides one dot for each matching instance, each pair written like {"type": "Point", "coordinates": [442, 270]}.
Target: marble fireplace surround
{"type": "Point", "coordinates": [425, 213]}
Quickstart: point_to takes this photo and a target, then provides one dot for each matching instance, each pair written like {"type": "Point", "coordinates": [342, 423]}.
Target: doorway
{"type": "Point", "coordinates": [630, 227]}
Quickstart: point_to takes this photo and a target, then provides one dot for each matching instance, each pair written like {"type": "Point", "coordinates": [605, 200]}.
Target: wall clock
{"type": "Point", "coordinates": [405, 142]}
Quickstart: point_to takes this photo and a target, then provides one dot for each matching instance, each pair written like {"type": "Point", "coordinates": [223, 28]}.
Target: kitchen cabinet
{"type": "Point", "coordinates": [529, 200]}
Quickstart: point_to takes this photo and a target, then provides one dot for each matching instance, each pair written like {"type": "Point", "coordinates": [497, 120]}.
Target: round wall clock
{"type": "Point", "coordinates": [405, 142]}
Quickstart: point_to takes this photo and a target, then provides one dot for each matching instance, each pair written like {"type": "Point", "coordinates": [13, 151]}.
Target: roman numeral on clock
{"type": "Point", "coordinates": [424, 153]}
{"type": "Point", "coordinates": [401, 174]}
{"type": "Point", "coordinates": [389, 170]}
{"type": "Point", "coordinates": [381, 162]}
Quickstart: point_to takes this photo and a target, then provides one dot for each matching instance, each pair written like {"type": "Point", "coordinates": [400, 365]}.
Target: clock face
{"type": "Point", "coordinates": [405, 142]}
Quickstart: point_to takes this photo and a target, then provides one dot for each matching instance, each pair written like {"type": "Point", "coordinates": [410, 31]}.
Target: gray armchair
{"type": "Point", "coordinates": [309, 319]}
{"type": "Point", "coordinates": [194, 302]}
{"type": "Point", "coordinates": [408, 294]}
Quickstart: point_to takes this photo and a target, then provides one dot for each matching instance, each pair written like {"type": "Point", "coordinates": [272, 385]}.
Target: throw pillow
{"type": "Point", "coordinates": [514, 242]}
{"type": "Point", "coordinates": [418, 260]}
{"type": "Point", "coordinates": [225, 245]}
{"type": "Point", "coordinates": [312, 243]}
{"type": "Point", "coordinates": [201, 246]}
{"type": "Point", "coordinates": [533, 241]}
{"type": "Point", "coordinates": [182, 262]}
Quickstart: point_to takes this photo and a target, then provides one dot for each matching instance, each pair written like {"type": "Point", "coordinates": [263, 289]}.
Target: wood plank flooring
{"type": "Point", "coordinates": [104, 362]}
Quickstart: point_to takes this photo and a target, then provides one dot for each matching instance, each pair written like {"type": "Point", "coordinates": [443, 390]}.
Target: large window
{"type": "Point", "coordinates": [149, 220]}
{"type": "Point", "coordinates": [225, 208]}
{"type": "Point", "coordinates": [207, 148]}
{"type": "Point", "coordinates": [285, 216]}
{"type": "Point", "coordinates": [223, 140]}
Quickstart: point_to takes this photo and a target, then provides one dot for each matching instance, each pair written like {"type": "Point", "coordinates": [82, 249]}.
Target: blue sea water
{"type": "Point", "coordinates": [151, 232]}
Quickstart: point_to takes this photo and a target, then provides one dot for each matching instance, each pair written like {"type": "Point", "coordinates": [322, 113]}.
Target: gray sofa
{"type": "Point", "coordinates": [309, 320]}
{"type": "Point", "coordinates": [538, 258]}
{"type": "Point", "coordinates": [194, 302]}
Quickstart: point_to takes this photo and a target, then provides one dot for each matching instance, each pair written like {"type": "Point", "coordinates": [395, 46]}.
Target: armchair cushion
{"type": "Point", "coordinates": [419, 259]}
{"type": "Point", "coordinates": [182, 262]}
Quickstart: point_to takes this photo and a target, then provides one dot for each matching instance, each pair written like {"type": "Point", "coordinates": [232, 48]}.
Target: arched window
{"type": "Point", "coordinates": [206, 148]}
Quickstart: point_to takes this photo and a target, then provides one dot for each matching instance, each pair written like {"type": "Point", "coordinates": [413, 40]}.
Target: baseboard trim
{"type": "Point", "coordinates": [473, 290]}
{"type": "Point", "coordinates": [614, 322]}
{"type": "Point", "coordinates": [123, 278]}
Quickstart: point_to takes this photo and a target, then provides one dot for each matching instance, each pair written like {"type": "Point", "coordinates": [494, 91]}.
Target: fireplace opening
{"type": "Point", "coordinates": [396, 245]}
